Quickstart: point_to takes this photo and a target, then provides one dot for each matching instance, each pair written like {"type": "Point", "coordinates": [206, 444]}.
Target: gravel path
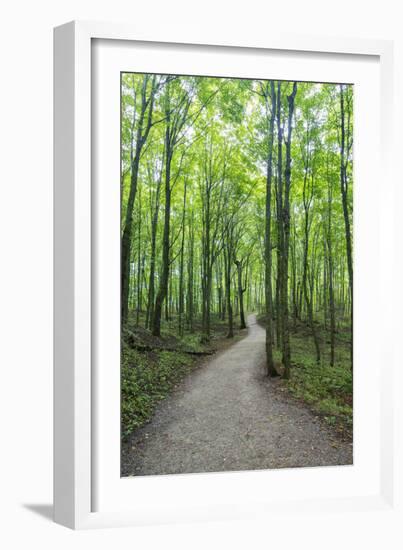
{"type": "Point", "coordinates": [228, 416]}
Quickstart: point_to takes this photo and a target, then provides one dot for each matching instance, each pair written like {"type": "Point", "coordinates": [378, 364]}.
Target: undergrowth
{"type": "Point", "coordinates": [328, 390]}
{"type": "Point", "coordinates": [146, 379]}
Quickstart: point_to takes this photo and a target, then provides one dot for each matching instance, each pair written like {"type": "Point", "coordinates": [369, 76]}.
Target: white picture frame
{"type": "Point", "coordinates": [78, 423]}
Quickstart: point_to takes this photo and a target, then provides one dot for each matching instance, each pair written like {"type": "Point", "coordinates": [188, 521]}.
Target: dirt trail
{"type": "Point", "coordinates": [228, 416]}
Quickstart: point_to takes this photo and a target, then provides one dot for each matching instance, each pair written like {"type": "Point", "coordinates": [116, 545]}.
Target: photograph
{"type": "Point", "coordinates": [202, 281]}
{"type": "Point", "coordinates": [236, 297]}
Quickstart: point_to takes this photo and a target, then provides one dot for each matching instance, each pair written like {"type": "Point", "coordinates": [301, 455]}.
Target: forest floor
{"type": "Point", "coordinates": [326, 390]}
{"type": "Point", "coordinates": [227, 415]}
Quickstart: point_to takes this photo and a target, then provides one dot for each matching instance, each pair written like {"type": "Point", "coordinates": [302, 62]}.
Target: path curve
{"type": "Point", "coordinates": [227, 415]}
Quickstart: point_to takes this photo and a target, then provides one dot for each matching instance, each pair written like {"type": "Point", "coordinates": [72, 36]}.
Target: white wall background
{"type": "Point", "coordinates": [26, 260]}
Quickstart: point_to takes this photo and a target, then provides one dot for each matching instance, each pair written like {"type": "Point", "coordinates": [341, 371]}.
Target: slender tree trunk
{"type": "Point", "coordinates": [227, 260]}
{"type": "Point", "coordinates": [190, 305]}
{"type": "Point", "coordinates": [278, 305]}
{"type": "Point", "coordinates": [181, 264]}
{"type": "Point", "coordinates": [331, 306]}
{"type": "Point", "coordinates": [241, 291]}
{"type": "Point", "coordinates": [271, 371]}
{"type": "Point", "coordinates": [127, 239]}
{"type": "Point", "coordinates": [307, 295]}
{"type": "Point", "coordinates": [344, 195]}
{"type": "Point", "coordinates": [163, 287]}
{"type": "Point", "coordinates": [207, 272]}
{"type": "Point", "coordinates": [286, 229]}
{"type": "Point", "coordinates": [325, 286]}
{"type": "Point", "coordinates": [151, 280]}
{"type": "Point", "coordinates": [280, 220]}
{"type": "Point", "coordinates": [139, 286]}
{"type": "Point", "coordinates": [294, 281]}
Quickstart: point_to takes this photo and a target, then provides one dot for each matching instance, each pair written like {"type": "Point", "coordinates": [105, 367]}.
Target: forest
{"type": "Point", "coordinates": [236, 198]}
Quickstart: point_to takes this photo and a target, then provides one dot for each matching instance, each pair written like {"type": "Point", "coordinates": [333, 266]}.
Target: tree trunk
{"type": "Point", "coordinates": [241, 291]}
{"type": "Point", "coordinates": [227, 261]}
{"type": "Point", "coordinates": [190, 304]}
{"type": "Point", "coordinates": [151, 280]}
{"type": "Point", "coordinates": [345, 132]}
{"type": "Point", "coordinates": [286, 228]}
{"type": "Point", "coordinates": [139, 285]}
{"type": "Point", "coordinates": [181, 265]}
{"type": "Point", "coordinates": [280, 220]}
{"type": "Point", "coordinates": [271, 371]}
{"type": "Point", "coordinates": [163, 287]}
{"type": "Point", "coordinates": [127, 240]}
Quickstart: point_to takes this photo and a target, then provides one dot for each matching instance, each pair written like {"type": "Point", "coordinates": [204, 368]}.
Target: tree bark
{"type": "Point", "coordinates": [241, 291]}
{"type": "Point", "coordinates": [154, 227]}
{"type": "Point", "coordinates": [271, 370]}
{"type": "Point", "coordinates": [227, 261]}
{"type": "Point", "coordinates": [190, 304]}
{"type": "Point", "coordinates": [181, 264]}
{"type": "Point", "coordinates": [286, 228]}
{"type": "Point", "coordinates": [280, 223]}
{"type": "Point", "coordinates": [344, 147]}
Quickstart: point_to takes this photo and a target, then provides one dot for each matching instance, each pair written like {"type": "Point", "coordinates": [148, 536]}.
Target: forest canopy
{"type": "Point", "coordinates": [237, 197]}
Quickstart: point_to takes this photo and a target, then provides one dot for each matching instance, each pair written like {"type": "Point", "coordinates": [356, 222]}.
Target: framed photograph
{"type": "Point", "coordinates": [219, 218]}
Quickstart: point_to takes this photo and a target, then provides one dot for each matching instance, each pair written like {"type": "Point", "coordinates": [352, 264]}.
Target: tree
{"type": "Point", "coordinates": [346, 143]}
{"type": "Point", "coordinates": [144, 94]}
{"type": "Point", "coordinates": [176, 110]}
{"type": "Point", "coordinates": [230, 206]}
{"type": "Point", "coordinates": [269, 94]}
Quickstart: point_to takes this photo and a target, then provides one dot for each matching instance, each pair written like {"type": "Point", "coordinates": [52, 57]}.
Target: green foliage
{"type": "Point", "coordinates": [222, 151]}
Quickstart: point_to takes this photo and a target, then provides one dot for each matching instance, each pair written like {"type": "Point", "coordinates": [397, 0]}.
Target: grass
{"type": "Point", "coordinates": [149, 376]}
{"type": "Point", "coordinates": [327, 390]}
